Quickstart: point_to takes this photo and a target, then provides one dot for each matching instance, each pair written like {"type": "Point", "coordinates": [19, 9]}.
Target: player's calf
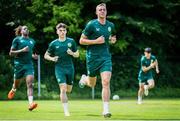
{"type": "Point", "coordinates": [146, 91]}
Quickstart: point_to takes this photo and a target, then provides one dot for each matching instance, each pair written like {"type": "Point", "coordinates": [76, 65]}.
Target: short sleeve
{"type": "Point", "coordinates": [51, 49]}
{"type": "Point", "coordinates": [74, 46]}
{"type": "Point", "coordinates": [14, 43]}
{"type": "Point", "coordinates": [153, 58]}
{"type": "Point", "coordinates": [34, 43]}
{"type": "Point", "coordinates": [143, 61]}
{"type": "Point", "coordinates": [88, 29]}
{"type": "Point", "coordinates": [113, 32]}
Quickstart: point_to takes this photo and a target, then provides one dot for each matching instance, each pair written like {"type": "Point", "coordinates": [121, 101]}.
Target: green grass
{"type": "Point", "coordinates": [156, 109]}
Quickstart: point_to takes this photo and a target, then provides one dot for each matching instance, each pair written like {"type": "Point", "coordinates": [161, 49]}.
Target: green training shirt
{"type": "Point", "coordinates": [146, 62]}
{"type": "Point", "coordinates": [59, 48]}
{"type": "Point", "coordinates": [23, 57]}
{"type": "Point", "coordinates": [93, 30]}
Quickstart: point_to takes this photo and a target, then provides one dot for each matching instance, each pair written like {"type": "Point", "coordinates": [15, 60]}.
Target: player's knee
{"type": "Point", "coordinates": [141, 88]}
{"type": "Point", "coordinates": [92, 84]}
{"type": "Point", "coordinates": [105, 83]}
{"type": "Point", "coordinates": [151, 85]}
{"type": "Point", "coordinates": [68, 90]}
{"type": "Point", "coordinates": [29, 85]}
{"type": "Point", "coordinates": [63, 90]}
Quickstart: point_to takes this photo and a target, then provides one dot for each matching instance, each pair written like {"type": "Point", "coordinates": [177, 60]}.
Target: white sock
{"type": "Point", "coordinates": [13, 89]}
{"type": "Point", "coordinates": [30, 98]}
{"type": "Point", "coordinates": [65, 106]}
{"type": "Point", "coordinates": [105, 107]}
{"type": "Point", "coordinates": [139, 98]}
{"type": "Point", "coordinates": [83, 78]}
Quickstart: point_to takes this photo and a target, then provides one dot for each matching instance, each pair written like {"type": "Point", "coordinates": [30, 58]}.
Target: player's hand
{"type": "Point", "coordinates": [157, 71]}
{"type": "Point", "coordinates": [112, 39]}
{"type": "Point", "coordinates": [55, 58]}
{"type": "Point", "coordinates": [70, 52]}
{"type": "Point", "coordinates": [152, 65]}
{"type": "Point", "coordinates": [25, 49]}
{"type": "Point", "coordinates": [100, 40]}
{"type": "Point", "coordinates": [35, 56]}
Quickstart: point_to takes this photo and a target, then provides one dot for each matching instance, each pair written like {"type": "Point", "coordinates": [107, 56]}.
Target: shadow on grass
{"type": "Point", "coordinates": [94, 115]}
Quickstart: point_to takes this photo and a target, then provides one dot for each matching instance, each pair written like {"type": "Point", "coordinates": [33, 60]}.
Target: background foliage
{"type": "Point", "coordinates": [139, 23]}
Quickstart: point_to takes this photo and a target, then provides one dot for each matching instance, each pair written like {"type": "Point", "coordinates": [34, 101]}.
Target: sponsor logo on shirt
{"type": "Point", "coordinates": [97, 29]}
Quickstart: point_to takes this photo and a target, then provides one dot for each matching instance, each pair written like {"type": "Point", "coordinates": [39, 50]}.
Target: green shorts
{"type": "Point", "coordinates": [64, 74]}
{"type": "Point", "coordinates": [98, 66]}
{"type": "Point", "coordinates": [144, 79]}
{"type": "Point", "coordinates": [22, 70]}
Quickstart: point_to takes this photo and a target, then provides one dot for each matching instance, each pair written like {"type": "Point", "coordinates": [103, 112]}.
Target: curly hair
{"type": "Point", "coordinates": [18, 30]}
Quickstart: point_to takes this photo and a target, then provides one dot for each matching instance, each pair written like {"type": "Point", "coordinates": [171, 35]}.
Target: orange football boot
{"type": "Point", "coordinates": [32, 106]}
{"type": "Point", "coordinates": [11, 94]}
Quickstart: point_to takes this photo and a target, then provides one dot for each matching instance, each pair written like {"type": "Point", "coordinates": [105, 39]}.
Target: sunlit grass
{"type": "Point", "coordinates": [92, 109]}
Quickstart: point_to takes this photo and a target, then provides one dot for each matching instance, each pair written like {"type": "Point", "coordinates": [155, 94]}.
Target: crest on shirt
{"type": "Point", "coordinates": [57, 47]}
{"type": "Point", "coordinates": [69, 45]}
{"type": "Point", "coordinates": [109, 29]}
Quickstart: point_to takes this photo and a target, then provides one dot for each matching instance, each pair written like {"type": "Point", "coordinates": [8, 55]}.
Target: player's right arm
{"type": "Point", "coordinates": [145, 69]}
{"type": "Point", "coordinates": [48, 56]}
{"type": "Point", "coordinates": [14, 52]}
{"type": "Point", "coordinates": [87, 32]}
{"type": "Point", "coordinates": [85, 41]}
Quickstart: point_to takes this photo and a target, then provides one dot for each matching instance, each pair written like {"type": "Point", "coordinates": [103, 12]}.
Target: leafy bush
{"type": "Point", "coordinates": [6, 72]}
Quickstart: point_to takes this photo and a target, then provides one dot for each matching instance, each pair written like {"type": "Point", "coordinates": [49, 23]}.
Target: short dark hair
{"type": "Point", "coordinates": [148, 49]}
{"type": "Point", "coordinates": [61, 25]}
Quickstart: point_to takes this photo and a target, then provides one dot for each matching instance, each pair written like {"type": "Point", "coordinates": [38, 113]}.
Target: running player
{"type": "Point", "coordinates": [148, 63]}
{"type": "Point", "coordinates": [61, 51]}
{"type": "Point", "coordinates": [97, 34]}
{"type": "Point", "coordinates": [22, 50]}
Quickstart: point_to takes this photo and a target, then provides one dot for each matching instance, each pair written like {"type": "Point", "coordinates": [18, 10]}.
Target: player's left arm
{"type": "Point", "coordinates": [157, 67]}
{"type": "Point", "coordinates": [74, 54]}
{"type": "Point", "coordinates": [34, 55]}
{"type": "Point", "coordinates": [73, 51]}
{"type": "Point", "coordinates": [112, 38]}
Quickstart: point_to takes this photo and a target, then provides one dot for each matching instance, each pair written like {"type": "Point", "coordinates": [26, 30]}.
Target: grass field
{"type": "Point", "coordinates": [156, 109]}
